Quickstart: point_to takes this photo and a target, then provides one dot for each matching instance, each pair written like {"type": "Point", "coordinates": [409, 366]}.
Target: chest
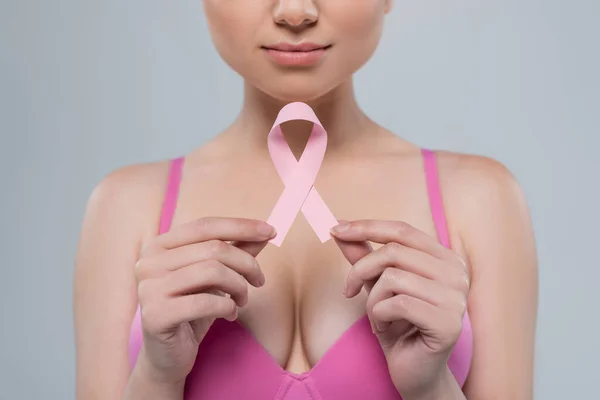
{"type": "Point", "coordinates": [301, 312]}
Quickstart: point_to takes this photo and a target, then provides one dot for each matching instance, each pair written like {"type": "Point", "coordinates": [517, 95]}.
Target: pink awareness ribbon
{"type": "Point", "coordinates": [299, 176]}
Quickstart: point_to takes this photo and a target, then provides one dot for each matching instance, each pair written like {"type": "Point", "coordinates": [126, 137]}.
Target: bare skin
{"type": "Point", "coordinates": [368, 173]}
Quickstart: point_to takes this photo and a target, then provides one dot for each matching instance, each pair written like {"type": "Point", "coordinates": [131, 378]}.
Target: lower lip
{"type": "Point", "coordinates": [297, 58]}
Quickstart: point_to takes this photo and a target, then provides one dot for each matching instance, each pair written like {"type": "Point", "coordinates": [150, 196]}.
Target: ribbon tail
{"type": "Point", "coordinates": [287, 207]}
{"type": "Point", "coordinates": [320, 218]}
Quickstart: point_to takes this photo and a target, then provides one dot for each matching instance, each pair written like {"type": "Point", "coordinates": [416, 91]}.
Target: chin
{"type": "Point", "coordinates": [303, 90]}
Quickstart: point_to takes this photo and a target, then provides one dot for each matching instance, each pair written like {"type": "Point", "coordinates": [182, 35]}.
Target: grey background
{"type": "Point", "coordinates": [88, 86]}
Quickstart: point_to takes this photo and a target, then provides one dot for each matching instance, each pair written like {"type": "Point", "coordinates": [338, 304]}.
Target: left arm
{"type": "Point", "coordinates": [496, 231]}
{"type": "Point", "coordinates": [417, 291]}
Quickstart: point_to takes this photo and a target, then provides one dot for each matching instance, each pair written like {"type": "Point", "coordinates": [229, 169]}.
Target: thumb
{"type": "Point", "coordinates": [252, 248]}
{"type": "Point", "coordinates": [354, 251]}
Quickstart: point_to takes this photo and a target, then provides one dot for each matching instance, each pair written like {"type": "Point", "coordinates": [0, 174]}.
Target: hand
{"type": "Point", "coordinates": [186, 279]}
{"type": "Point", "coordinates": [417, 295]}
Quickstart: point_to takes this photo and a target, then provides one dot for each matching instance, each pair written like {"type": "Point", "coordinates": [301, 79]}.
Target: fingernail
{"type": "Point", "coordinates": [346, 286]}
{"type": "Point", "coordinates": [267, 230]}
{"type": "Point", "coordinates": [233, 316]}
{"type": "Point", "coordinates": [342, 227]}
{"type": "Point", "coordinates": [381, 326]}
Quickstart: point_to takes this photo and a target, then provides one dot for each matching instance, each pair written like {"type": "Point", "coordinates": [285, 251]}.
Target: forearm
{"type": "Point", "coordinates": [142, 387]}
{"type": "Point", "coordinates": [446, 388]}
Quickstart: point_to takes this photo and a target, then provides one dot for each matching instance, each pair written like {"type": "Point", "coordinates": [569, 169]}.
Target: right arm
{"type": "Point", "coordinates": [183, 280]}
{"type": "Point", "coordinates": [119, 214]}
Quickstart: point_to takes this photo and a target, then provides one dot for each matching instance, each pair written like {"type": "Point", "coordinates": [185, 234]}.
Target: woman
{"type": "Point", "coordinates": [378, 313]}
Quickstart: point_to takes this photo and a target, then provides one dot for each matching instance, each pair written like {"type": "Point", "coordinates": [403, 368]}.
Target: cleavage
{"type": "Point", "coordinates": [301, 312]}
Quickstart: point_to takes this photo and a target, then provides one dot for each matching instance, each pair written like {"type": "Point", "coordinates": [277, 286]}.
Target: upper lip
{"type": "Point", "coordinates": [307, 46]}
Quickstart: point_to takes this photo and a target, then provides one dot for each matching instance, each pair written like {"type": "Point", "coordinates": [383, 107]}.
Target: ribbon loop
{"type": "Point", "coordinates": [299, 176]}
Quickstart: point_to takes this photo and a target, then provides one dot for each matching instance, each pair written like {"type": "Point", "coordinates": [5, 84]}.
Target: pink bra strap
{"type": "Point", "coordinates": [435, 196]}
{"type": "Point", "coordinates": [171, 194]}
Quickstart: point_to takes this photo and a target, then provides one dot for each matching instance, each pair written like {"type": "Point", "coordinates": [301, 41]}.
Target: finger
{"type": "Point", "coordinates": [428, 318]}
{"type": "Point", "coordinates": [252, 248]}
{"type": "Point", "coordinates": [395, 281]}
{"type": "Point", "coordinates": [197, 278]}
{"type": "Point", "coordinates": [161, 317]}
{"type": "Point", "coordinates": [391, 231]}
{"type": "Point", "coordinates": [392, 254]}
{"type": "Point", "coordinates": [170, 260]}
{"type": "Point", "coordinates": [210, 228]}
{"type": "Point", "coordinates": [353, 251]}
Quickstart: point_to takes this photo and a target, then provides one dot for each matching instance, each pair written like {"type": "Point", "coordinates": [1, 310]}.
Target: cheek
{"type": "Point", "coordinates": [357, 30]}
{"type": "Point", "coordinates": [361, 23]}
{"type": "Point", "coordinates": [233, 25]}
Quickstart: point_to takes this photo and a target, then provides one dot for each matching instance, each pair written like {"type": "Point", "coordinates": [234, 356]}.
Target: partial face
{"type": "Point", "coordinates": [296, 50]}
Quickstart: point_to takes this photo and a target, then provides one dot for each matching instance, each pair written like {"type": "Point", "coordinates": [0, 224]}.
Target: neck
{"type": "Point", "coordinates": [338, 112]}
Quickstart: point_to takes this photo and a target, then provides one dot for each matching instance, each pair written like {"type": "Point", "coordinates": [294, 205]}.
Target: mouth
{"type": "Point", "coordinates": [303, 54]}
{"type": "Point", "coordinates": [301, 47]}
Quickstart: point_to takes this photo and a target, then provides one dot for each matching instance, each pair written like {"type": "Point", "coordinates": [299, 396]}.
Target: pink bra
{"type": "Point", "coordinates": [232, 365]}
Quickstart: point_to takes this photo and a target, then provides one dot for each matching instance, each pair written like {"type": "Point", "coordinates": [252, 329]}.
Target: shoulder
{"type": "Point", "coordinates": [487, 211]}
{"type": "Point", "coordinates": [126, 186]}
{"type": "Point", "coordinates": [485, 204]}
{"type": "Point", "coordinates": [130, 197]}
{"type": "Point", "coordinates": [131, 180]}
{"type": "Point", "coordinates": [477, 178]}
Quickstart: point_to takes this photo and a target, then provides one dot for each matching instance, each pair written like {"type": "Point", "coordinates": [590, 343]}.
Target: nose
{"type": "Point", "coordinates": [295, 13]}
